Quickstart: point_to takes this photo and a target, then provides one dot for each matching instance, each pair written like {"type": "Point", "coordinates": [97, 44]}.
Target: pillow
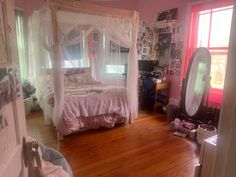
{"type": "Point", "coordinates": [72, 77]}
{"type": "Point", "coordinates": [70, 71]}
{"type": "Point", "coordinates": [66, 79]}
{"type": "Point", "coordinates": [84, 78]}
{"type": "Point", "coordinates": [89, 79]}
{"type": "Point", "coordinates": [80, 79]}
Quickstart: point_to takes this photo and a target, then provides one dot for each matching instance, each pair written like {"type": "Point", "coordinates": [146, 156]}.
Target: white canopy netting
{"type": "Point", "coordinates": [66, 34]}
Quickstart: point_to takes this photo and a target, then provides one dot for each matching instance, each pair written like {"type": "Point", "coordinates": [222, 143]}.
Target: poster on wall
{"type": "Point", "coordinates": [162, 48]}
{"type": "Point", "coordinates": [144, 43]}
{"type": "Point", "coordinates": [14, 82]}
{"type": "Point", "coordinates": [9, 91]}
{"type": "Point", "coordinates": [8, 86]}
{"type": "Point", "coordinates": [167, 15]}
{"type": "Point", "coordinates": [176, 50]}
{"type": "Point", "coordinates": [6, 95]}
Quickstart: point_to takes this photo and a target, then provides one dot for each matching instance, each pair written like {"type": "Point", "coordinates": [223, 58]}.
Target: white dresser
{"type": "Point", "coordinates": [207, 158]}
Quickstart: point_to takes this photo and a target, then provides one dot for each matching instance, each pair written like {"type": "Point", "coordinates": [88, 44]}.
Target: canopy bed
{"type": "Point", "coordinates": [84, 64]}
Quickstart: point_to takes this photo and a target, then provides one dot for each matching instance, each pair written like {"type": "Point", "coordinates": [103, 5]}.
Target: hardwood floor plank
{"type": "Point", "coordinates": [146, 149]}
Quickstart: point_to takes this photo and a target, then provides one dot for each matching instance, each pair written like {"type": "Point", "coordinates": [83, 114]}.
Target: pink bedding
{"type": "Point", "coordinates": [88, 106]}
{"type": "Point", "coordinates": [91, 108]}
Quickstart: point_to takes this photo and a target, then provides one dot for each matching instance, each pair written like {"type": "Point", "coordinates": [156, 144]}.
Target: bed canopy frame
{"type": "Point", "coordinates": [48, 28]}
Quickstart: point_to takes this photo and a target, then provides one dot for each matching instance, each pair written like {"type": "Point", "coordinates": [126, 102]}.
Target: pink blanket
{"type": "Point", "coordinates": [93, 108]}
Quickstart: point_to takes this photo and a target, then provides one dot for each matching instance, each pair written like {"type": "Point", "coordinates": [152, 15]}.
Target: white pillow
{"type": "Point", "coordinates": [80, 79]}
{"type": "Point", "coordinates": [84, 78]}
{"type": "Point", "coordinates": [72, 77]}
{"type": "Point", "coordinates": [66, 79]}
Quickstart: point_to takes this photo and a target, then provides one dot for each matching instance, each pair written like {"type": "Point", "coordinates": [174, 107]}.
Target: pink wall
{"type": "Point", "coordinates": [122, 4]}
{"type": "Point", "coordinates": [29, 6]}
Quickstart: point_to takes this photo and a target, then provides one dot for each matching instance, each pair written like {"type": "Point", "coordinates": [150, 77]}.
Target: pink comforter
{"type": "Point", "coordinates": [94, 108]}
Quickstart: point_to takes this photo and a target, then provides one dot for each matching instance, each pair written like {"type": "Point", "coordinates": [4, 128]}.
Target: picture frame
{"type": "Point", "coordinates": [167, 15]}
{"type": "Point", "coordinates": [172, 15]}
{"type": "Point", "coordinates": [145, 50]}
{"type": "Point", "coordinates": [162, 16]}
{"type": "Point", "coordinates": [5, 87]}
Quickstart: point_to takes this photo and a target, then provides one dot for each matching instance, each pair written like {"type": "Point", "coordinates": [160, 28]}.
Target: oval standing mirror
{"type": "Point", "coordinates": [196, 82]}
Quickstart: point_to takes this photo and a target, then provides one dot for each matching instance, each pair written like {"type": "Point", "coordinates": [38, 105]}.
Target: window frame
{"type": "Point", "coordinates": [215, 94]}
{"type": "Point", "coordinates": [115, 73]}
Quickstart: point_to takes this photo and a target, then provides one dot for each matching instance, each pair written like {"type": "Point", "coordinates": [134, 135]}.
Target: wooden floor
{"type": "Point", "coordinates": [145, 148]}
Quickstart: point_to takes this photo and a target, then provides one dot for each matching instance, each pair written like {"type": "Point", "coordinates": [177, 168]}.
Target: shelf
{"type": "Point", "coordinates": [162, 24]}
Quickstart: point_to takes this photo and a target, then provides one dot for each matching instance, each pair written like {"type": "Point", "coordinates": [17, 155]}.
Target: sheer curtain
{"type": "Point", "coordinates": [107, 44]}
{"type": "Point", "coordinates": [21, 45]}
{"type": "Point", "coordinates": [40, 48]}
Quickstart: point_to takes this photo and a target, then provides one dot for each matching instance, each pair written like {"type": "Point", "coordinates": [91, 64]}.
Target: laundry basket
{"type": "Point", "coordinates": [205, 131]}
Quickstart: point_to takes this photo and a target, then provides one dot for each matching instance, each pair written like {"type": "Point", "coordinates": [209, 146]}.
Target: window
{"type": "Point", "coordinates": [21, 44]}
{"type": "Point", "coordinates": [210, 28]}
{"type": "Point", "coordinates": [116, 58]}
{"type": "Point", "coordinates": [74, 54]}
{"type": "Point", "coordinates": [115, 69]}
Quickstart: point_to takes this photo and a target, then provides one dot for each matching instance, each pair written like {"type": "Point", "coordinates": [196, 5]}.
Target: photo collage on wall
{"type": "Point", "coordinates": [162, 40]}
{"type": "Point", "coordinates": [9, 90]}
{"type": "Point", "coordinates": [144, 43]}
{"type": "Point", "coordinates": [175, 68]}
{"type": "Point", "coordinates": [4, 79]}
{"type": "Point", "coordinates": [176, 51]}
{"type": "Point", "coordinates": [9, 86]}
{"type": "Point", "coordinates": [162, 48]}
{"type": "Point", "coordinates": [5, 95]}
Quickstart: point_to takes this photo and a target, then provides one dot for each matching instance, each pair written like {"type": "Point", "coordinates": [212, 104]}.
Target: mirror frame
{"type": "Point", "coordinates": [206, 87]}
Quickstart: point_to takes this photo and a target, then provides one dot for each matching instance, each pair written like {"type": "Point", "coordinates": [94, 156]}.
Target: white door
{"type": "Point", "coordinates": [12, 116]}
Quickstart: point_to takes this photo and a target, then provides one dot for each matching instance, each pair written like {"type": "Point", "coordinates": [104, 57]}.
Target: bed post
{"type": "Point", "coordinates": [59, 136]}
